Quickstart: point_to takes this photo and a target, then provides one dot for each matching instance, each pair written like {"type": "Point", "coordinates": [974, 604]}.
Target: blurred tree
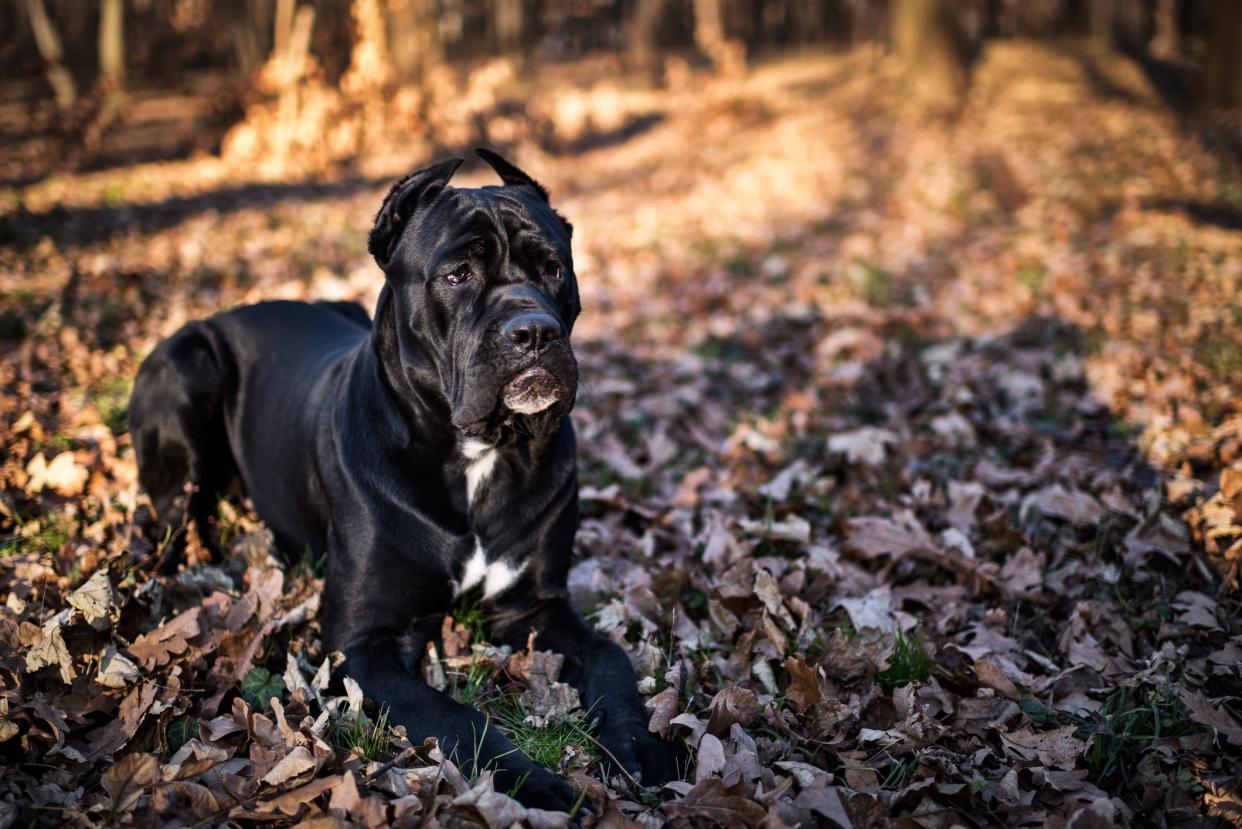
{"type": "Point", "coordinates": [509, 20]}
{"type": "Point", "coordinates": [1101, 18]}
{"type": "Point", "coordinates": [929, 38]}
{"type": "Point", "coordinates": [1167, 41]}
{"type": "Point", "coordinates": [868, 20]}
{"type": "Point", "coordinates": [111, 56]}
{"type": "Point", "coordinates": [1222, 75]}
{"type": "Point", "coordinates": [47, 39]}
{"type": "Point", "coordinates": [811, 21]}
{"type": "Point", "coordinates": [1133, 25]}
{"type": "Point", "coordinates": [714, 20]}
{"type": "Point", "coordinates": [414, 38]}
{"type": "Point", "coordinates": [112, 43]}
{"type": "Point", "coordinates": [224, 45]}
{"type": "Point", "coordinates": [248, 22]}
{"type": "Point", "coordinates": [709, 31]}
{"type": "Point", "coordinates": [642, 38]}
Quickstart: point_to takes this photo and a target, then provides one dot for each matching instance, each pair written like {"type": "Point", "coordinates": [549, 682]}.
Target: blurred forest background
{"type": "Point", "coordinates": [910, 431]}
{"type": "Point", "coordinates": [121, 81]}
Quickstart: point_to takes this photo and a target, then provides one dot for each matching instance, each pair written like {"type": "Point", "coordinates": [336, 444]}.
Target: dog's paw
{"type": "Point", "coordinates": [648, 759]}
{"type": "Point", "coordinates": [537, 788]}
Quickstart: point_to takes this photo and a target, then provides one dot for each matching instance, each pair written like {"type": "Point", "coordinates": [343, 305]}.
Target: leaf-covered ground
{"type": "Point", "coordinates": [911, 471]}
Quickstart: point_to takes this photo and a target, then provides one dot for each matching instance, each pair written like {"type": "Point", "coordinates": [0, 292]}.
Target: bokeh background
{"type": "Point", "coordinates": [911, 448]}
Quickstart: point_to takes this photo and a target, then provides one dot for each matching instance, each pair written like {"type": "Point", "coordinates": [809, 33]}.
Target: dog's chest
{"type": "Point", "coordinates": [480, 464]}
{"type": "Point", "coordinates": [495, 576]}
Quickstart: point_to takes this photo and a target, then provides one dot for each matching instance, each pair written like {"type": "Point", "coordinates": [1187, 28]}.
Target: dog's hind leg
{"type": "Point", "coordinates": [177, 425]}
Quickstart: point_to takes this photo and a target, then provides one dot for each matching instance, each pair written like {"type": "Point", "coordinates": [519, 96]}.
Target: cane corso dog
{"type": "Point", "coordinates": [427, 454]}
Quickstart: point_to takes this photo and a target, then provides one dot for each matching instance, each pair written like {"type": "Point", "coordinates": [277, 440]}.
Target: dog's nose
{"type": "Point", "coordinates": [531, 331]}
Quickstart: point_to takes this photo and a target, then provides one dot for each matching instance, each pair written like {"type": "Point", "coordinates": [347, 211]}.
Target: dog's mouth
{"type": "Point", "coordinates": [530, 401]}
{"type": "Point", "coordinates": [532, 391]}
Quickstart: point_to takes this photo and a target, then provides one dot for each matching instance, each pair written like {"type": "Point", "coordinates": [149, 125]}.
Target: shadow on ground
{"type": "Point", "coordinates": [81, 226]}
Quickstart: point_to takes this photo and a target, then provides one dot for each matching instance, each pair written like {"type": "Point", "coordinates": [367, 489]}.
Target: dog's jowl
{"type": "Point", "coordinates": [426, 454]}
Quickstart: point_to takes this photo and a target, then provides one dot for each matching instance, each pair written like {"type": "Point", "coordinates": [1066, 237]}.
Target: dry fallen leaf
{"type": "Point", "coordinates": [63, 474]}
{"type": "Point", "coordinates": [866, 445]}
{"type": "Point", "coordinates": [8, 728]}
{"type": "Point", "coordinates": [96, 600]}
{"type": "Point", "coordinates": [872, 536]}
{"type": "Point", "coordinates": [993, 676]}
{"type": "Point", "coordinates": [496, 810]}
{"type": "Point", "coordinates": [710, 760]}
{"type": "Point", "coordinates": [1058, 748]}
{"type": "Point", "coordinates": [1075, 506]}
{"type": "Point", "coordinates": [115, 670]}
{"type": "Point", "coordinates": [51, 650]}
{"type": "Point", "coordinates": [873, 611]}
{"type": "Point", "coordinates": [732, 705]}
{"type": "Point", "coordinates": [1203, 712]}
{"type": "Point", "coordinates": [803, 690]}
{"type": "Point", "coordinates": [295, 763]}
{"type": "Point", "coordinates": [663, 707]}
{"type": "Point", "coordinates": [711, 801]}
{"type": "Point", "coordinates": [128, 779]}
{"type": "Point", "coordinates": [160, 645]}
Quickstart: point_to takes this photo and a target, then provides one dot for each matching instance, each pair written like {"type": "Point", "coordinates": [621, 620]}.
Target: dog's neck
{"type": "Point", "coordinates": [487, 479]}
{"type": "Point", "coordinates": [423, 408]}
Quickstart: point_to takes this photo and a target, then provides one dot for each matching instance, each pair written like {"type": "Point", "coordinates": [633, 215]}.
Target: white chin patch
{"type": "Point", "coordinates": [529, 404]}
{"type": "Point", "coordinates": [531, 391]}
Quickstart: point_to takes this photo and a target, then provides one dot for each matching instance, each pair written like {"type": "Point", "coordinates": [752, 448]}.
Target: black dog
{"type": "Point", "coordinates": [427, 454]}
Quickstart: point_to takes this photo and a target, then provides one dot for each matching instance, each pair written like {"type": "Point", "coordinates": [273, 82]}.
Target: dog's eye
{"type": "Point", "coordinates": [459, 275]}
{"type": "Point", "coordinates": [552, 271]}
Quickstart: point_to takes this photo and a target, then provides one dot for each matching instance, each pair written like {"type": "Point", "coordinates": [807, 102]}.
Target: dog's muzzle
{"type": "Point", "coordinates": [532, 391]}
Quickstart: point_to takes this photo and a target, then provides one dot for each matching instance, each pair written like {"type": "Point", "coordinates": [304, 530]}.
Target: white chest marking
{"type": "Point", "coordinates": [496, 577]}
{"type": "Point", "coordinates": [480, 461]}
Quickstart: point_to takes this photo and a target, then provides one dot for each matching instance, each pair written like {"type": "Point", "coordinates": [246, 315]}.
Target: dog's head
{"type": "Point", "coordinates": [483, 296]}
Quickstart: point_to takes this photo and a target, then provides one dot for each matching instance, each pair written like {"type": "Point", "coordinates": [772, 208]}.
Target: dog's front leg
{"type": "Point", "coordinates": [465, 735]}
{"type": "Point", "coordinates": [601, 672]}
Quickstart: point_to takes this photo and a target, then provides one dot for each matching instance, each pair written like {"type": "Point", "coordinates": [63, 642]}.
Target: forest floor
{"type": "Point", "coordinates": [911, 462]}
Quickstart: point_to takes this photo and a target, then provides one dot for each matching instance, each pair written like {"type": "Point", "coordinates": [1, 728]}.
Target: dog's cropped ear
{"type": "Point", "coordinates": [511, 175]}
{"type": "Point", "coordinates": [400, 202]}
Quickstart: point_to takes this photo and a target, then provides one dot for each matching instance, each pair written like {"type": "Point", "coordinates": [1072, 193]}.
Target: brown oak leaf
{"type": "Point", "coordinates": [710, 800]}
{"type": "Point", "coordinates": [160, 645]}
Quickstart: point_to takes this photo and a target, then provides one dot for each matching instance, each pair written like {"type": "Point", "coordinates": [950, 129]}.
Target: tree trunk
{"type": "Point", "coordinates": [47, 39]}
{"type": "Point", "coordinates": [865, 15]}
{"type": "Point", "coordinates": [709, 31]}
{"type": "Point", "coordinates": [808, 21]}
{"type": "Point", "coordinates": [1222, 70]}
{"type": "Point", "coordinates": [1167, 41]}
{"type": "Point", "coordinates": [511, 20]}
{"type": "Point", "coordinates": [1118, 23]}
{"type": "Point", "coordinates": [414, 38]}
{"type": "Point", "coordinates": [112, 62]}
{"type": "Point", "coordinates": [111, 85]}
{"type": "Point", "coordinates": [642, 37]}
{"type": "Point", "coordinates": [508, 19]}
{"type": "Point", "coordinates": [112, 46]}
{"type": "Point", "coordinates": [930, 41]}
{"type": "Point", "coordinates": [1132, 26]}
{"type": "Point", "coordinates": [247, 27]}
{"type": "Point", "coordinates": [1100, 18]}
